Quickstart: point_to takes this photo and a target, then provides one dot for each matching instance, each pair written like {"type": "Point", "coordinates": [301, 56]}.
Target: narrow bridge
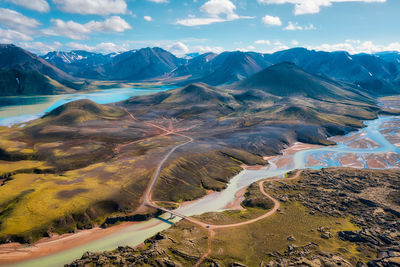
{"type": "Point", "coordinates": [171, 212]}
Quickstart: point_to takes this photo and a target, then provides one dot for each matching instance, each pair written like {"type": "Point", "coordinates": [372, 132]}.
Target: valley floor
{"type": "Point", "coordinates": [83, 183]}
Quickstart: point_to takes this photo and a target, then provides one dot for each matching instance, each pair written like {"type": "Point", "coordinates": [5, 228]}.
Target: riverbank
{"type": "Point", "coordinates": [212, 202]}
{"type": "Point", "coordinates": [15, 253]}
{"type": "Point", "coordinates": [20, 109]}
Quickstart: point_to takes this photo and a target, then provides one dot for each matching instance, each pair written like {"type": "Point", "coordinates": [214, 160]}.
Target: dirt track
{"type": "Point", "coordinates": [211, 228]}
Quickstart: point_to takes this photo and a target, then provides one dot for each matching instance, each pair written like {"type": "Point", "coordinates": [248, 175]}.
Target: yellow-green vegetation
{"type": "Point", "coordinates": [230, 216]}
{"type": "Point", "coordinates": [251, 243]}
{"type": "Point", "coordinates": [34, 203]}
{"type": "Point", "coordinates": [31, 204]}
{"type": "Point", "coordinates": [9, 167]}
{"type": "Point", "coordinates": [79, 111]}
{"type": "Point", "coordinates": [254, 205]}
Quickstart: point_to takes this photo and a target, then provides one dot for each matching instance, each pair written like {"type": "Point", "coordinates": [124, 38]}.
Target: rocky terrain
{"type": "Point", "coordinates": [369, 199]}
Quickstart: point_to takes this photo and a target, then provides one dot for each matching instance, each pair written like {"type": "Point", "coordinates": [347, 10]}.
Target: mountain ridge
{"type": "Point", "coordinates": [379, 74]}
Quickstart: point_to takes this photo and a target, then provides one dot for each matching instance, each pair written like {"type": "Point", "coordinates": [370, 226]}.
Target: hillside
{"type": "Point", "coordinates": [225, 68]}
{"type": "Point", "coordinates": [79, 63]}
{"type": "Point", "coordinates": [143, 64]}
{"type": "Point", "coordinates": [95, 161]}
{"type": "Point", "coordinates": [235, 66]}
{"type": "Point", "coordinates": [25, 73]}
{"type": "Point", "coordinates": [288, 80]}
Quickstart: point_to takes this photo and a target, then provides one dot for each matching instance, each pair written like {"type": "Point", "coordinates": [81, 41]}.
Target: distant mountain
{"type": "Point", "coordinates": [379, 73]}
{"type": "Point", "coordinates": [390, 56]}
{"type": "Point", "coordinates": [230, 67]}
{"type": "Point", "coordinates": [369, 71]}
{"type": "Point", "coordinates": [134, 65]}
{"type": "Point", "coordinates": [192, 55]}
{"type": "Point", "coordinates": [196, 67]}
{"type": "Point", "coordinates": [288, 80]}
{"type": "Point", "coordinates": [22, 72]}
{"type": "Point", "coordinates": [78, 62]}
{"type": "Point", "coordinates": [144, 64]}
{"type": "Point", "coordinates": [225, 68]}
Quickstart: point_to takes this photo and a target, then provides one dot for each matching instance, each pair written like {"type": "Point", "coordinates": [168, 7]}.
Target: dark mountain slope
{"type": "Point", "coordinates": [197, 66]}
{"type": "Point", "coordinates": [79, 63]}
{"type": "Point", "coordinates": [369, 71]}
{"type": "Point", "coordinates": [25, 73]}
{"type": "Point", "coordinates": [288, 80]}
{"type": "Point", "coordinates": [13, 57]}
{"type": "Point", "coordinates": [146, 63]}
{"type": "Point", "coordinates": [235, 66]}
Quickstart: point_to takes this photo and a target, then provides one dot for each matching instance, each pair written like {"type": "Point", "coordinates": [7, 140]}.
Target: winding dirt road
{"type": "Point", "coordinates": [146, 198]}
{"type": "Point", "coordinates": [147, 201]}
{"type": "Point", "coordinates": [277, 204]}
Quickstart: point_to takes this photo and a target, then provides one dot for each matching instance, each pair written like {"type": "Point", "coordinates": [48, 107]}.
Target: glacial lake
{"type": "Point", "coordinates": [20, 109]}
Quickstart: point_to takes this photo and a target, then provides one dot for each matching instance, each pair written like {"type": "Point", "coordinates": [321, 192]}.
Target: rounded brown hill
{"type": "Point", "coordinates": [80, 111]}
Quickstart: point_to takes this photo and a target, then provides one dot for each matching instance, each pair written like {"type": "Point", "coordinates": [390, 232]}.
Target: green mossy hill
{"type": "Point", "coordinates": [81, 111]}
{"type": "Point", "coordinates": [189, 176]}
{"type": "Point", "coordinates": [255, 199]}
{"type": "Point", "coordinates": [192, 94]}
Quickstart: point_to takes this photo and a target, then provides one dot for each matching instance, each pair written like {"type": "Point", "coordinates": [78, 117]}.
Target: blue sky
{"type": "Point", "coordinates": [184, 26]}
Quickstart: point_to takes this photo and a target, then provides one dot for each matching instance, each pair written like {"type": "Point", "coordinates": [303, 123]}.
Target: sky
{"type": "Point", "coordinates": [188, 26]}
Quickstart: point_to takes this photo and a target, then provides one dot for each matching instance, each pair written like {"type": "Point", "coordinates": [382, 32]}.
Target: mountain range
{"type": "Point", "coordinates": [378, 73]}
{"type": "Point", "coordinates": [25, 73]}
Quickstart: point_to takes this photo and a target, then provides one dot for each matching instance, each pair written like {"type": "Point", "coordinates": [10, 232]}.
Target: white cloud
{"type": "Point", "coordinates": [16, 21]}
{"type": "Point", "coordinates": [77, 31]}
{"type": "Point", "coordinates": [265, 42]}
{"type": "Point", "coordinates": [313, 6]}
{"type": "Point", "coordinates": [199, 21]}
{"type": "Point", "coordinates": [179, 49]}
{"type": "Point", "coordinates": [296, 27]}
{"type": "Point", "coordinates": [111, 24]}
{"type": "Point", "coordinates": [356, 46]}
{"type": "Point", "coordinates": [205, 49]}
{"type": "Point", "coordinates": [249, 48]}
{"type": "Point", "coordinates": [295, 42]}
{"type": "Point", "coordinates": [99, 7]}
{"type": "Point", "coordinates": [70, 29]}
{"type": "Point", "coordinates": [11, 36]}
{"type": "Point", "coordinates": [216, 11]}
{"type": "Point", "coordinates": [271, 20]}
{"type": "Point", "coordinates": [215, 8]}
{"type": "Point", "coordinates": [101, 48]}
{"type": "Point", "coordinates": [293, 27]}
{"type": "Point", "coordinates": [148, 18]}
{"type": "Point", "coordinates": [37, 5]}
{"type": "Point", "coordinates": [39, 47]}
